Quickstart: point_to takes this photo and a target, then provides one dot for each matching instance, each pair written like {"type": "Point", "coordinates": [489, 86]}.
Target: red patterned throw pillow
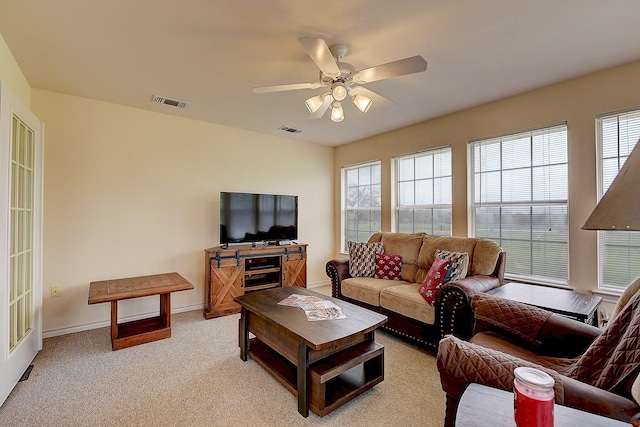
{"type": "Point", "coordinates": [434, 279]}
{"type": "Point", "coordinates": [388, 267]}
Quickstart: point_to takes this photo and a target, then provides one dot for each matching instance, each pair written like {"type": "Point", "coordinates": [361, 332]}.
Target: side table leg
{"type": "Point", "coordinates": [303, 371]}
{"type": "Point", "coordinates": [165, 309]}
{"type": "Point", "coordinates": [114, 322]}
{"type": "Point", "coordinates": [243, 334]}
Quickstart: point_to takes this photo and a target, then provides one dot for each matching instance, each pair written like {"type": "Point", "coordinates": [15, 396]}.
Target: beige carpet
{"type": "Point", "coordinates": [196, 378]}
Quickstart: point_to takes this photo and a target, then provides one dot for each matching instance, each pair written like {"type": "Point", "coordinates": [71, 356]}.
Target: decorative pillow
{"type": "Point", "coordinates": [388, 267]}
{"type": "Point", "coordinates": [362, 258]}
{"type": "Point", "coordinates": [435, 278]}
{"type": "Point", "coordinates": [459, 264]}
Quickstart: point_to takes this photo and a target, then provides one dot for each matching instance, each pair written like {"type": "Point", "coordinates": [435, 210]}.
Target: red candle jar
{"type": "Point", "coordinates": [533, 398]}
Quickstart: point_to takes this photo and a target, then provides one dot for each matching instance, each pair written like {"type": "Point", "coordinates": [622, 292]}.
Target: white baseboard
{"type": "Point", "coordinates": [105, 323]}
{"type": "Point", "coordinates": [80, 328]}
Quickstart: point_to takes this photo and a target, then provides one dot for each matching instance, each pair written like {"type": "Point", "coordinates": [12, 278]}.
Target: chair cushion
{"type": "Point", "coordinates": [498, 342]}
{"type": "Point", "coordinates": [366, 289]}
{"type": "Point", "coordinates": [405, 299]}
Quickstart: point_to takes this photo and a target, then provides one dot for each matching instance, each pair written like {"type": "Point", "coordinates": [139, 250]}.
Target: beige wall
{"type": "Point", "coordinates": [131, 192]}
{"type": "Point", "coordinates": [576, 101]}
{"type": "Point", "coordinates": [11, 75]}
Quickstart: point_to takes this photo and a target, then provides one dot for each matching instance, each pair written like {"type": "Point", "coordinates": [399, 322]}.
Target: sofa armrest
{"type": "Point", "coordinates": [453, 304]}
{"type": "Point", "coordinates": [588, 398]}
{"type": "Point", "coordinates": [338, 270]}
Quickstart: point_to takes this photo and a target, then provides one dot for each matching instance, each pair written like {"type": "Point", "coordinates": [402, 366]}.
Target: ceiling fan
{"type": "Point", "coordinates": [342, 80]}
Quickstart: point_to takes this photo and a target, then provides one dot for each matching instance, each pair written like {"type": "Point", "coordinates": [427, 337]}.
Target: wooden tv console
{"type": "Point", "coordinates": [234, 271]}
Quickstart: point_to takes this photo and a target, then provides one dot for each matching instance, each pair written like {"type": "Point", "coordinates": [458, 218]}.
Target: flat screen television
{"type": "Point", "coordinates": [249, 218]}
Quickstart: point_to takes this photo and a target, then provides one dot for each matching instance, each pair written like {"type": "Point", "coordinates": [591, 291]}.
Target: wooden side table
{"type": "Point", "coordinates": [482, 406]}
{"type": "Point", "coordinates": [144, 330]}
{"type": "Point", "coordinates": [576, 305]}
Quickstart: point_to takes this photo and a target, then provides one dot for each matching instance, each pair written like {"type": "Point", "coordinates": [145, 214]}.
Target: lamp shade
{"type": "Point", "coordinates": [314, 103]}
{"type": "Point", "coordinates": [619, 208]}
{"type": "Point", "coordinates": [339, 91]}
{"type": "Point", "coordinates": [362, 102]}
{"type": "Point", "coordinates": [337, 114]}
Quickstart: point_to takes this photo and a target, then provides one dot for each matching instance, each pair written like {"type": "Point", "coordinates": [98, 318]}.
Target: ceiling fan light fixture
{"type": "Point", "coordinates": [339, 91]}
{"type": "Point", "coordinates": [314, 103]}
{"type": "Point", "coordinates": [362, 102]}
{"type": "Point", "coordinates": [337, 114]}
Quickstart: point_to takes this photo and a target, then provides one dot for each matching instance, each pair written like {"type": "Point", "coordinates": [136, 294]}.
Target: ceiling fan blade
{"type": "Point", "coordinates": [414, 64]}
{"type": "Point", "coordinates": [378, 102]}
{"type": "Point", "coordinates": [280, 88]}
{"type": "Point", "coordinates": [321, 55]}
{"type": "Point", "coordinates": [323, 108]}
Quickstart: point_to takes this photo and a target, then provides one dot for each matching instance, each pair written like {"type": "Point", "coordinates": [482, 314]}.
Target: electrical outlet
{"type": "Point", "coordinates": [55, 291]}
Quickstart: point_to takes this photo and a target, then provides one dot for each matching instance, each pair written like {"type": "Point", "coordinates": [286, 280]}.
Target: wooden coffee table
{"type": "Point", "coordinates": [144, 330]}
{"type": "Point", "coordinates": [576, 305]}
{"type": "Point", "coordinates": [324, 363]}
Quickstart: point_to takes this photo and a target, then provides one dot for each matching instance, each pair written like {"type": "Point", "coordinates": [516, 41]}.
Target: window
{"type": "Point", "coordinates": [362, 202]}
{"type": "Point", "coordinates": [519, 200]}
{"type": "Point", "coordinates": [619, 251]}
{"type": "Point", "coordinates": [423, 192]}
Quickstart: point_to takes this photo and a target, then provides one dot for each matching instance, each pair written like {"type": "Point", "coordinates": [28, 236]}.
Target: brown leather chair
{"type": "Point", "coordinates": [594, 370]}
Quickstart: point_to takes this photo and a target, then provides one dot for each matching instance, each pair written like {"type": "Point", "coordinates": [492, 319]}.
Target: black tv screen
{"type": "Point", "coordinates": [246, 217]}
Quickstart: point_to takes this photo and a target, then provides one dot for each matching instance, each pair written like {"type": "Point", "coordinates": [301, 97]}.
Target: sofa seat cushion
{"type": "Point", "coordinates": [366, 289]}
{"type": "Point", "coordinates": [405, 299]}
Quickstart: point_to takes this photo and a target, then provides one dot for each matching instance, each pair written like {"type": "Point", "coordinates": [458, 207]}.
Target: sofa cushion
{"type": "Point", "coordinates": [405, 299]}
{"type": "Point", "coordinates": [485, 257]}
{"type": "Point", "coordinates": [362, 258]}
{"type": "Point", "coordinates": [366, 289]}
{"type": "Point", "coordinates": [437, 273]}
{"type": "Point", "coordinates": [430, 244]}
{"type": "Point", "coordinates": [459, 263]}
{"type": "Point", "coordinates": [405, 245]}
{"type": "Point", "coordinates": [388, 267]}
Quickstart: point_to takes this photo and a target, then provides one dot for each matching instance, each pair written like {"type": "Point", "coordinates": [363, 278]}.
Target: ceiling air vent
{"type": "Point", "coordinates": [172, 102]}
{"type": "Point", "coordinates": [290, 130]}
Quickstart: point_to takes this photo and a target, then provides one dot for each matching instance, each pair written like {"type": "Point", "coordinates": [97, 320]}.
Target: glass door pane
{"type": "Point", "coordinates": [21, 233]}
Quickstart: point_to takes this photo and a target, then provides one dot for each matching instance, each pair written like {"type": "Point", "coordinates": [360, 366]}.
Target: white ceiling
{"type": "Point", "coordinates": [210, 53]}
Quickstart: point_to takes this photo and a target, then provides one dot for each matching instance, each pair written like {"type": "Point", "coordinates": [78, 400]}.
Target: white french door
{"type": "Point", "coordinates": [21, 161]}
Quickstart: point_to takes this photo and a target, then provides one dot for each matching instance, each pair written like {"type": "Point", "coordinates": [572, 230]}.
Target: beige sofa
{"type": "Point", "coordinates": [409, 314]}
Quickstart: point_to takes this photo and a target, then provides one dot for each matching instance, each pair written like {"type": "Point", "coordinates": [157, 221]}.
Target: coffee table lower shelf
{"type": "Point", "coordinates": [334, 380]}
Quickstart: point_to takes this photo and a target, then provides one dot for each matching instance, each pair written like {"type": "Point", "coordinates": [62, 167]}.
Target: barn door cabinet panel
{"type": "Point", "coordinates": [231, 272]}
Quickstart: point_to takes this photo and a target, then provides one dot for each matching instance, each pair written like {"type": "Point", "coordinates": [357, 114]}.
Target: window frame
{"type": "Point", "coordinates": [615, 237]}
{"type": "Point", "coordinates": [346, 235]}
{"type": "Point", "coordinates": [541, 202]}
{"type": "Point", "coordinates": [434, 173]}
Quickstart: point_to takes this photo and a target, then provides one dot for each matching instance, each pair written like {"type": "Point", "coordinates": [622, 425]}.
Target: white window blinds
{"type": "Point", "coordinates": [619, 251]}
{"type": "Point", "coordinates": [519, 200]}
{"type": "Point", "coordinates": [362, 203]}
{"type": "Point", "coordinates": [423, 192]}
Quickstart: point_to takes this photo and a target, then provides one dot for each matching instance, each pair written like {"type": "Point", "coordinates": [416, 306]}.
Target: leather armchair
{"type": "Point", "coordinates": [594, 370]}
